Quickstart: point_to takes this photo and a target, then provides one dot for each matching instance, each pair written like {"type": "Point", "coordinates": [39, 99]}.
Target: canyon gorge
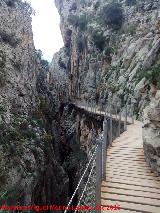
{"type": "Point", "coordinates": [111, 53]}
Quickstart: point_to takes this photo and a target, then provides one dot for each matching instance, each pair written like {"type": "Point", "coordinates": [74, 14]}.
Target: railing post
{"type": "Point", "coordinates": [125, 123]}
{"type": "Point", "coordinates": [132, 113]}
{"type": "Point", "coordinates": [105, 111]}
{"type": "Point", "coordinates": [87, 106]}
{"type": "Point", "coordinates": [100, 108]}
{"type": "Point", "coordinates": [98, 173]}
{"type": "Point", "coordinates": [119, 124]}
{"type": "Point", "coordinates": [111, 136]}
{"type": "Point", "coordinates": [116, 110]}
{"type": "Point", "coordinates": [104, 147]}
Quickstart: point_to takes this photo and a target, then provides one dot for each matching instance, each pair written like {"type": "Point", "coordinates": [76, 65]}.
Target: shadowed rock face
{"type": "Point", "coordinates": [151, 133]}
{"type": "Point", "coordinates": [29, 169]}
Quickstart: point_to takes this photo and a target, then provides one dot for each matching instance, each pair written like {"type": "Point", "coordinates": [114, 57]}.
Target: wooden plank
{"type": "Point", "coordinates": [136, 182]}
{"type": "Point", "coordinates": [119, 149]}
{"type": "Point", "coordinates": [125, 147]}
{"type": "Point", "coordinates": [126, 157]}
{"type": "Point", "coordinates": [132, 199]}
{"type": "Point", "coordinates": [132, 174]}
{"type": "Point", "coordinates": [130, 163]}
{"type": "Point", "coordinates": [142, 177]}
{"type": "Point", "coordinates": [132, 206]}
{"type": "Point", "coordinates": [138, 173]}
{"type": "Point", "coordinates": [130, 142]}
{"type": "Point", "coordinates": [130, 192]}
{"type": "Point", "coordinates": [133, 165]}
{"type": "Point", "coordinates": [127, 151]}
{"type": "Point", "coordinates": [130, 186]}
{"type": "Point", "coordinates": [128, 169]}
{"type": "Point", "coordinates": [132, 180]}
{"type": "Point", "coordinates": [126, 161]}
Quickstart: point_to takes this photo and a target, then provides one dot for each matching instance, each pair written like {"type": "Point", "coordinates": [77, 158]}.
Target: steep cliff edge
{"type": "Point", "coordinates": [112, 51]}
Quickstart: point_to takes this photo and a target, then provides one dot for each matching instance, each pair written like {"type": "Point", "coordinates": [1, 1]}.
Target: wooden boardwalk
{"type": "Point", "coordinates": [129, 180]}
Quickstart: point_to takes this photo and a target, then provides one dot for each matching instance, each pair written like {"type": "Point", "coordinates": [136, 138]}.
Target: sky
{"type": "Point", "coordinates": [45, 25]}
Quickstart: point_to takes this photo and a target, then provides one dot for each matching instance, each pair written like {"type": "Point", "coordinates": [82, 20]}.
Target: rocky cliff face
{"type": "Point", "coordinates": [29, 169]}
{"type": "Point", "coordinates": [151, 133]}
{"type": "Point", "coordinates": [112, 50]}
{"type": "Point", "coordinates": [111, 57]}
{"type": "Point", "coordinates": [18, 64]}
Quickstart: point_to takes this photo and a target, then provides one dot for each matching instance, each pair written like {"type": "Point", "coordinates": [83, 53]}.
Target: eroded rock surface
{"type": "Point", "coordinates": [151, 133]}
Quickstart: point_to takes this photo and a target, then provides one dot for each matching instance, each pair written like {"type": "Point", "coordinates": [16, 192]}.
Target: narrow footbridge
{"type": "Point", "coordinates": [123, 178]}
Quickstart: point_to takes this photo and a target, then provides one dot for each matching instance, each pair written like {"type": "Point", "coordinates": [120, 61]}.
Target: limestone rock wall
{"type": "Point", "coordinates": [30, 172]}
{"type": "Point", "coordinates": [18, 64]}
{"type": "Point", "coordinates": [151, 133]}
{"type": "Point", "coordinates": [116, 64]}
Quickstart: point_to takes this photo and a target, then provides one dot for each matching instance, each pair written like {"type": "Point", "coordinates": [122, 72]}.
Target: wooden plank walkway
{"type": "Point", "coordinates": [129, 180]}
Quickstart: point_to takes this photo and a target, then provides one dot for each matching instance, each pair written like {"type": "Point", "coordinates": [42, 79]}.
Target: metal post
{"type": "Point", "coordinates": [92, 106]}
{"type": "Point", "coordinates": [132, 113]}
{"type": "Point", "coordinates": [119, 124]}
{"type": "Point", "coordinates": [104, 147]}
{"type": "Point", "coordinates": [111, 137]}
{"type": "Point", "coordinates": [125, 127]}
{"type": "Point", "coordinates": [98, 173]}
{"type": "Point", "coordinates": [105, 111]}
{"type": "Point", "coordinates": [116, 110]}
{"type": "Point", "coordinates": [110, 109]}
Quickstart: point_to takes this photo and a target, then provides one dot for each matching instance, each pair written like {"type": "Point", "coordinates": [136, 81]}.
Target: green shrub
{"type": "Point", "coordinates": [78, 21]}
{"type": "Point", "coordinates": [112, 15]}
{"type": "Point", "coordinates": [61, 63]}
{"type": "Point", "coordinates": [130, 29]}
{"type": "Point", "coordinates": [153, 75]}
{"type": "Point", "coordinates": [131, 2]}
{"type": "Point", "coordinates": [80, 43]}
{"type": "Point", "coordinates": [10, 39]}
{"type": "Point", "coordinates": [98, 39]}
{"type": "Point", "coordinates": [96, 5]}
{"type": "Point", "coordinates": [11, 3]}
{"type": "Point", "coordinates": [2, 109]}
{"type": "Point", "coordinates": [108, 51]}
{"type": "Point", "coordinates": [2, 79]}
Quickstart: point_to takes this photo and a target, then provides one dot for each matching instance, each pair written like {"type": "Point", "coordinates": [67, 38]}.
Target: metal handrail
{"type": "Point", "coordinates": [85, 188]}
{"type": "Point", "coordinates": [81, 180]}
